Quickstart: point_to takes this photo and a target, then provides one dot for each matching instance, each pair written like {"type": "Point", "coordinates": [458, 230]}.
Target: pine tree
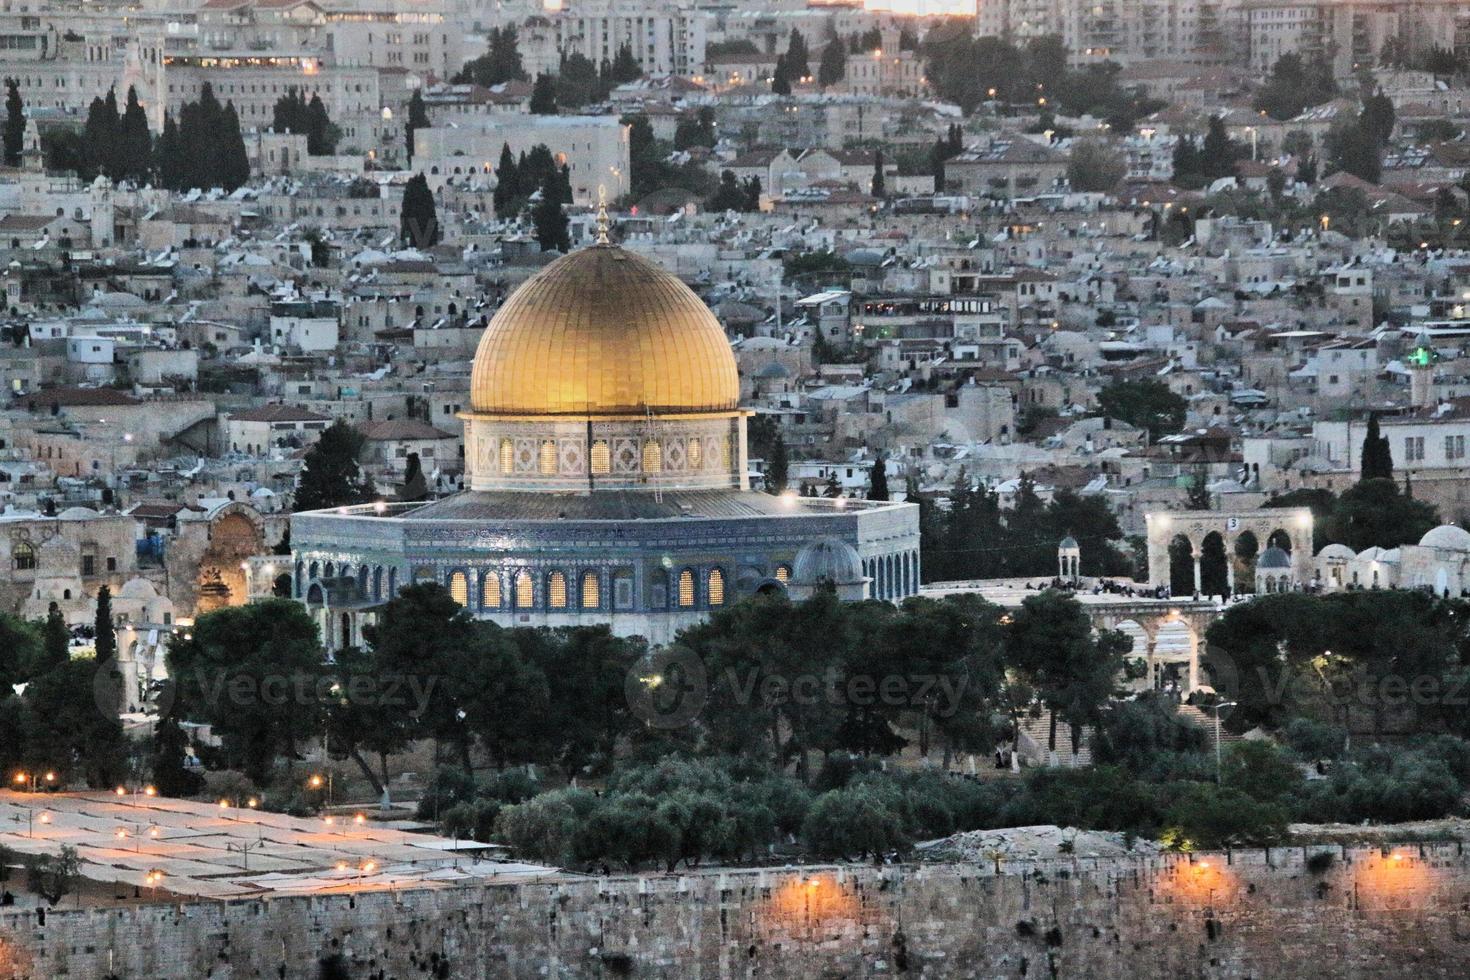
{"type": "Point", "coordinates": [106, 644]}
{"type": "Point", "coordinates": [418, 118]}
{"type": "Point", "coordinates": [543, 96]}
{"type": "Point", "coordinates": [321, 135]}
{"type": "Point", "coordinates": [625, 67]}
{"type": "Point", "coordinates": [878, 480]}
{"type": "Point", "coordinates": [418, 219]}
{"type": "Point", "coordinates": [878, 188]}
{"type": "Point", "coordinates": [15, 124]}
{"type": "Point", "coordinates": [136, 140]}
{"type": "Point", "coordinates": [551, 219]}
{"type": "Point", "coordinates": [171, 776]}
{"type": "Point", "coordinates": [331, 475]}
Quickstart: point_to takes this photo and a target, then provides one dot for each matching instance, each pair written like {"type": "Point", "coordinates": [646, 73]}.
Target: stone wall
{"type": "Point", "coordinates": [1405, 913]}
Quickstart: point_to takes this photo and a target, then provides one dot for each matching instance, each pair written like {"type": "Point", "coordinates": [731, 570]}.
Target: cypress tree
{"type": "Point", "coordinates": [55, 640]}
{"type": "Point", "coordinates": [1377, 456]}
{"type": "Point", "coordinates": [99, 135]}
{"type": "Point", "coordinates": [878, 480]}
{"type": "Point", "coordinates": [879, 189]}
{"type": "Point", "coordinates": [234, 169]}
{"type": "Point", "coordinates": [507, 189]}
{"type": "Point", "coordinates": [777, 466]}
{"type": "Point", "coordinates": [136, 141]}
{"type": "Point", "coordinates": [418, 118]}
{"type": "Point", "coordinates": [106, 638]}
{"type": "Point", "coordinates": [551, 219]}
{"type": "Point", "coordinates": [418, 220]}
{"type": "Point", "coordinates": [833, 67]}
{"type": "Point", "coordinates": [543, 96]}
{"type": "Point", "coordinates": [15, 124]}
{"type": "Point", "coordinates": [320, 138]}
{"type": "Point", "coordinates": [780, 80]}
{"type": "Point", "coordinates": [168, 155]}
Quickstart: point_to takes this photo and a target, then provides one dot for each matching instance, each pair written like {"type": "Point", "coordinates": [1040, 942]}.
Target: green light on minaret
{"type": "Point", "coordinates": [1422, 357]}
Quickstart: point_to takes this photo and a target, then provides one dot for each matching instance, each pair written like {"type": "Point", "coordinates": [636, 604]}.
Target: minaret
{"type": "Point", "coordinates": [1421, 376]}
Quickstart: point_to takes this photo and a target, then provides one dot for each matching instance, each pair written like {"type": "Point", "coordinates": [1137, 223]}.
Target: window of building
{"type": "Point", "coordinates": [696, 454]}
{"type": "Point", "coordinates": [556, 590]}
{"type": "Point", "coordinates": [653, 457]}
{"type": "Point", "coordinates": [1414, 449]}
{"type": "Point", "coordinates": [24, 557]}
{"type": "Point", "coordinates": [591, 591]}
{"type": "Point", "coordinates": [601, 457]}
{"type": "Point", "coordinates": [686, 589]}
{"type": "Point", "coordinates": [89, 565]}
{"type": "Point", "coordinates": [783, 574]}
{"type": "Point", "coordinates": [1454, 447]}
{"type": "Point", "coordinates": [507, 456]}
{"type": "Point", "coordinates": [112, 562]}
{"type": "Point", "coordinates": [623, 589]}
{"type": "Point", "coordinates": [459, 588]}
{"type": "Point", "coordinates": [525, 597]}
{"type": "Point", "coordinates": [715, 587]}
{"type": "Point", "coordinates": [548, 457]}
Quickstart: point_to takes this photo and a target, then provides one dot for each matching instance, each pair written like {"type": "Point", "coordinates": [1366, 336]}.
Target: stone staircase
{"type": "Point", "coordinates": [1036, 733]}
{"type": "Point", "coordinates": [1205, 721]}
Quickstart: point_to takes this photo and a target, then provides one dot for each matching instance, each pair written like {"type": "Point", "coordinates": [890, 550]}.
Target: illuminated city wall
{"type": "Point", "coordinates": [1280, 913]}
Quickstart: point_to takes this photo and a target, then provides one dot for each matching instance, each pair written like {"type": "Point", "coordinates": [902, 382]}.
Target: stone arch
{"type": "Point", "coordinates": [1165, 527]}
{"type": "Point", "coordinates": [1181, 579]}
{"type": "Point", "coordinates": [1247, 548]}
{"type": "Point", "coordinates": [1214, 565]}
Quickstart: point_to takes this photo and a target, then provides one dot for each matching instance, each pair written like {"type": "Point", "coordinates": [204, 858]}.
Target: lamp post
{"type": "Point", "coordinates": [1216, 710]}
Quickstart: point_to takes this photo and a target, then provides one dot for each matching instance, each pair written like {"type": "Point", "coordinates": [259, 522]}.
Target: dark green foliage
{"type": "Point", "coordinates": [1295, 86]}
{"type": "Point", "coordinates": [877, 186]}
{"type": "Point", "coordinates": [418, 118]}
{"type": "Point", "coordinates": [106, 637]}
{"type": "Point", "coordinates": [134, 153]}
{"type": "Point", "coordinates": [332, 475]}
{"type": "Point", "coordinates": [550, 218]}
{"type": "Point", "coordinates": [543, 96]}
{"type": "Point", "coordinates": [1376, 455]}
{"type": "Point", "coordinates": [696, 130]}
{"type": "Point", "coordinates": [293, 113]}
{"type": "Point", "coordinates": [208, 149]}
{"type": "Point", "coordinates": [251, 672]}
{"type": "Point", "coordinates": [625, 67]}
{"type": "Point", "coordinates": [501, 63]}
{"type": "Point", "coordinates": [833, 67]}
{"type": "Point", "coordinates": [1376, 512]}
{"type": "Point", "coordinates": [1146, 404]}
{"type": "Point", "coordinates": [797, 56]}
{"type": "Point", "coordinates": [15, 124]}
{"type": "Point", "coordinates": [418, 218]}
{"type": "Point", "coordinates": [878, 480]}
{"type": "Point", "coordinates": [781, 77]}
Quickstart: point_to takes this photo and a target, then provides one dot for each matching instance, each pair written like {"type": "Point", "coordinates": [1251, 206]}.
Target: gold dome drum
{"type": "Point", "coordinates": [604, 372]}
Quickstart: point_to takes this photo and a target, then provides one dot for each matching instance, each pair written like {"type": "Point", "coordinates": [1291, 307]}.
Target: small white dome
{"type": "Point", "coordinates": [77, 514]}
{"type": "Point", "coordinates": [1448, 537]}
{"type": "Point", "coordinates": [827, 560]}
{"type": "Point", "coordinates": [1341, 551]}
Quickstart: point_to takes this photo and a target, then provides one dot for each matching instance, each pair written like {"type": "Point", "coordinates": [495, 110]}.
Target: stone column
{"type": "Point", "coordinates": [1196, 556]}
{"type": "Point", "coordinates": [1230, 574]}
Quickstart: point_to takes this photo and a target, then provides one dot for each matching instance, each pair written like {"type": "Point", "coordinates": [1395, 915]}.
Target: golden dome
{"type": "Point", "coordinates": [603, 332]}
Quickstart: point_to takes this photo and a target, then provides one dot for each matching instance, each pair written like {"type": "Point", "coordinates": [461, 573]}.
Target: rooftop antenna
{"type": "Point", "coordinates": [602, 219]}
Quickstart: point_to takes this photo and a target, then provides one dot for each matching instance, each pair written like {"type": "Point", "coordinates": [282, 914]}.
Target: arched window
{"type": "Point", "coordinates": [591, 591]}
{"type": "Point", "coordinates": [490, 591]}
{"type": "Point", "coordinates": [715, 587]}
{"type": "Point", "coordinates": [378, 584]}
{"type": "Point", "coordinates": [459, 588]}
{"type": "Point", "coordinates": [392, 583]}
{"type": "Point", "coordinates": [24, 556]}
{"type": "Point", "coordinates": [556, 590]}
{"type": "Point", "coordinates": [507, 456]}
{"type": "Point", "coordinates": [783, 574]}
{"type": "Point", "coordinates": [653, 457]}
{"type": "Point", "coordinates": [601, 457]}
{"type": "Point", "coordinates": [547, 458]}
{"type": "Point", "coordinates": [525, 595]}
{"type": "Point", "coordinates": [686, 589]}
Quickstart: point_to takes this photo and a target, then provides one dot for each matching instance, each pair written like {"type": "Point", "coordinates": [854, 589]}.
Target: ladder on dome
{"type": "Point", "coordinates": [652, 430]}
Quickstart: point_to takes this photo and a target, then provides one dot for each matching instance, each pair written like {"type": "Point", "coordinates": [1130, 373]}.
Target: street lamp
{"type": "Point", "coordinates": [1216, 710]}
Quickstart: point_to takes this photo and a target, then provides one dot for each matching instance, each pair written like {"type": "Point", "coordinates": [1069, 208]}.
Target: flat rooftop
{"type": "Point", "coordinates": [207, 851]}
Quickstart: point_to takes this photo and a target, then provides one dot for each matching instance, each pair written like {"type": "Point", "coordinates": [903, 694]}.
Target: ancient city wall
{"type": "Point", "coordinates": [1254, 914]}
